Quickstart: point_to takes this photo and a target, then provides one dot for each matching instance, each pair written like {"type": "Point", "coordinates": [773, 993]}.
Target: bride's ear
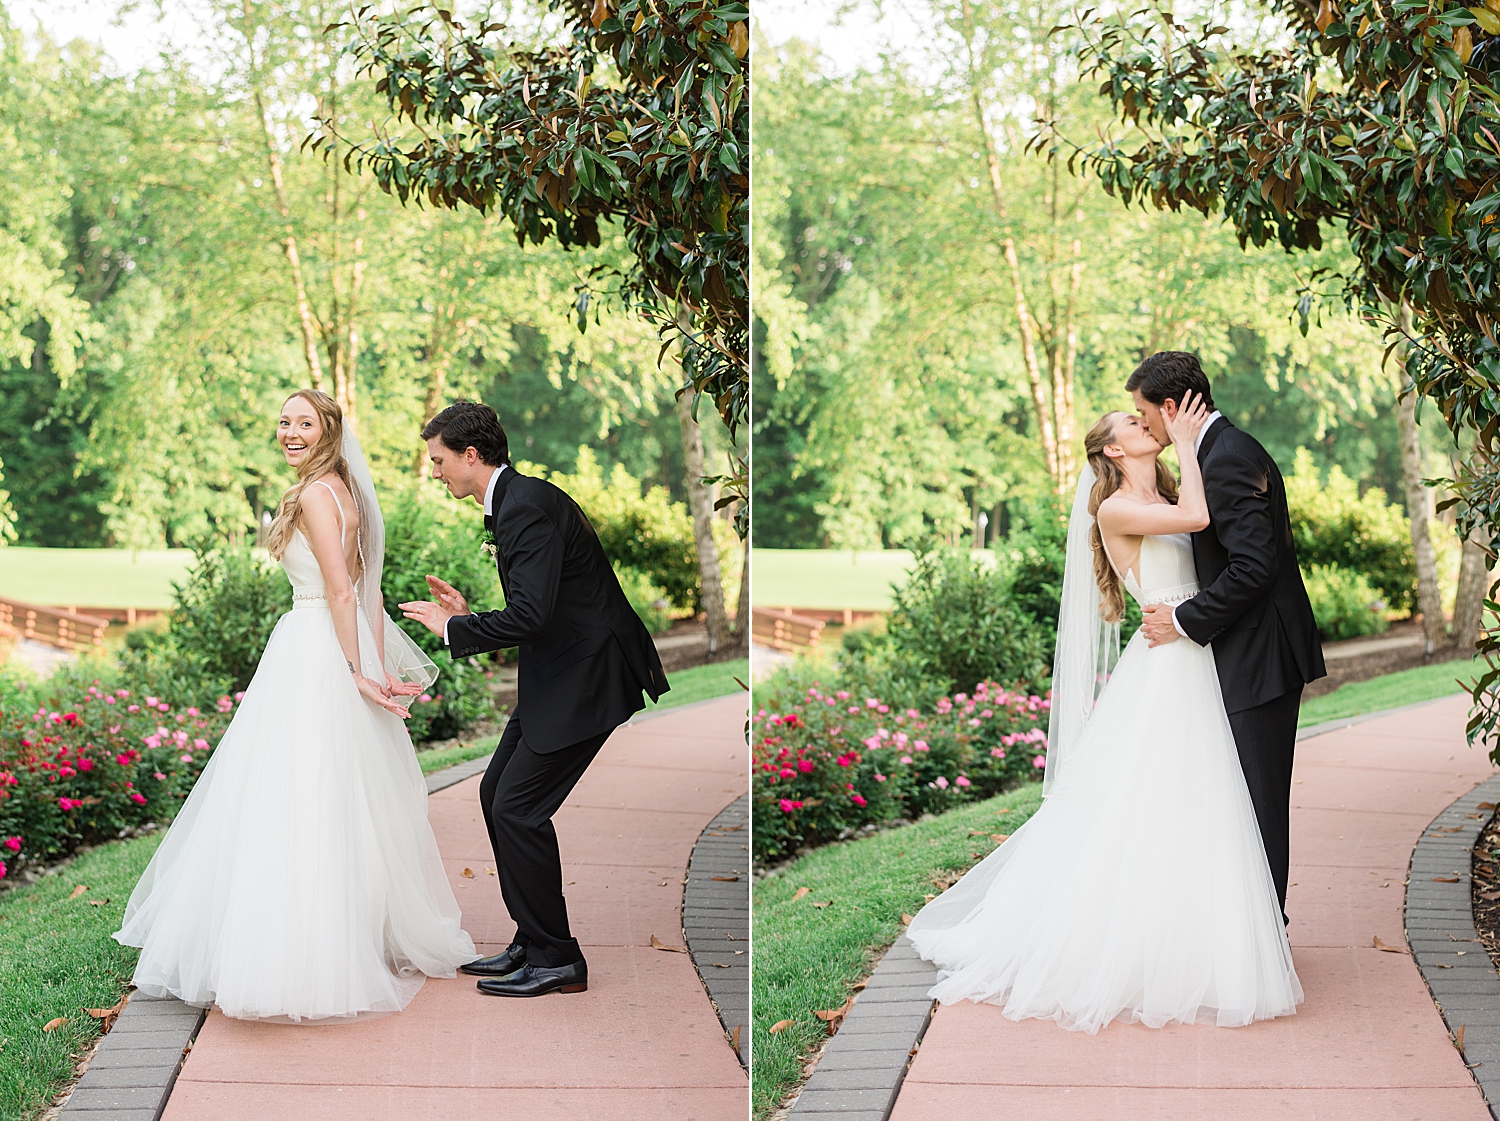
{"type": "Point", "coordinates": [1114, 451]}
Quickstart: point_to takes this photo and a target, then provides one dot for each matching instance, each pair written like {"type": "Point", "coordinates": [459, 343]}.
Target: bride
{"type": "Point", "coordinates": [1140, 890]}
{"type": "Point", "coordinates": [301, 881]}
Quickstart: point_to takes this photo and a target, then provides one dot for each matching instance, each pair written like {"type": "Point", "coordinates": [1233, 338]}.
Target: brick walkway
{"type": "Point", "coordinates": [1368, 1043]}
{"type": "Point", "coordinates": [643, 1042]}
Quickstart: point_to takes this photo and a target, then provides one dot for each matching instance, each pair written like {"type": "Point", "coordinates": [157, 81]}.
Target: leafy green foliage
{"type": "Point", "coordinates": [1345, 604]}
{"type": "Point", "coordinates": [1333, 524]}
{"type": "Point", "coordinates": [547, 139]}
{"type": "Point", "coordinates": [954, 619]}
{"type": "Point", "coordinates": [222, 618]}
{"type": "Point", "coordinates": [648, 599]}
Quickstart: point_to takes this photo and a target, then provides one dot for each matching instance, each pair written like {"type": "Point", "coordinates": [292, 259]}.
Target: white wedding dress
{"type": "Point", "coordinates": [1140, 890]}
{"type": "Point", "coordinates": [301, 882]}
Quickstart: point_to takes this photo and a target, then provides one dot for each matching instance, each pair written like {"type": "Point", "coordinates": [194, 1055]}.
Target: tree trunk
{"type": "Point", "coordinates": [1473, 586]}
{"type": "Point", "coordinates": [742, 609]}
{"type": "Point", "coordinates": [703, 529]}
{"type": "Point", "coordinates": [1429, 600]}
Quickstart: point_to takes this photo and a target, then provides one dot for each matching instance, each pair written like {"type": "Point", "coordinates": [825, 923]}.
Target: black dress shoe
{"type": "Point", "coordinates": [538, 980]}
{"type": "Point", "coordinates": [497, 965]}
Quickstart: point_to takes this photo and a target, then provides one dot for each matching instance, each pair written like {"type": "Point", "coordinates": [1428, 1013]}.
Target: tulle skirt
{"type": "Point", "coordinates": [1140, 890]}
{"type": "Point", "coordinates": [300, 881]}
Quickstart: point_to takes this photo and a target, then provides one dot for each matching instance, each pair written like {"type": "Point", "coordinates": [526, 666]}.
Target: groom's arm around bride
{"type": "Point", "coordinates": [585, 659]}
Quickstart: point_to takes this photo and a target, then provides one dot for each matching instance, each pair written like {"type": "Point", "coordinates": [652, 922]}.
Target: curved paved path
{"type": "Point", "coordinates": [1368, 1043]}
{"type": "Point", "coordinates": [643, 1042]}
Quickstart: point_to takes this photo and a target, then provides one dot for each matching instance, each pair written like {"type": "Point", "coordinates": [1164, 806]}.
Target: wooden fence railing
{"type": "Point", "coordinates": [784, 630]}
{"type": "Point", "coordinates": [63, 629]}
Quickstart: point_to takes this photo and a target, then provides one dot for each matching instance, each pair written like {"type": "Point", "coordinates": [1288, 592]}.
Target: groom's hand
{"type": "Point", "coordinates": [1157, 623]}
{"type": "Point", "coordinates": [433, 616]}
{"type": "Point", "coordinates": [447, 595]}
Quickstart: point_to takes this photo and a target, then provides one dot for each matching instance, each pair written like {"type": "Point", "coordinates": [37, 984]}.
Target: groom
{"type": "Point", "coordinates": [1252, 607]}
{"type": "Point", "coordinates": [585, 657]}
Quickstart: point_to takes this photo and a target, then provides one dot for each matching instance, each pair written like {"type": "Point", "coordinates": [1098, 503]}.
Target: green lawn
{"type": "Point", "coordinates": [56, 959]}
{"type": "Point", "coordinates": [697, 683]}
{"type": "Point", "coordinates": [826, 577]}
{"type": "Point", "coordinates": [92, 577]}
{"type": "Point", "coordinates": [1424, 683]}
{"type": "Point", "coordinates": [807, 958]}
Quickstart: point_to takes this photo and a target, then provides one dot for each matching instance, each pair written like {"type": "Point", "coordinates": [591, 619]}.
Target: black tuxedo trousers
{"type": "Point", "coordinates": [1265, 737]}
{"type": "Point", "coordinates": [519, 793]}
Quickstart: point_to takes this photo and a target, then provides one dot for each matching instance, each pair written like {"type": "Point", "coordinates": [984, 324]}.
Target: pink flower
{"type": "Point", "coordinates": [138, 799]}
{"type": "Point", "coordinates": [200, 745]}
{"type": "Point", "coordinates": [1039, 762]}
{"type": "Point", "coordinates": [65, 771]}
{"type": "Point", "coordinates": [871, 702]}
{"type": "Point", "coordinates": [787, 772]}
{"type": "Point", "coordinates": [842, 695]}
{"type": "Point", "coordinates": [858, 799]}
{"type": "Point", "coordinates": [85, 764]}
{"type": "Point", "coordinates": [998, 752]}
{"type": "Point", "coordinates": [941, 783]}
{"type": "Point", "coordinates": [806, 766]}
{"type": "Point", "coordinates": [872, 742]}
{"type": "Point", "coordinates": [186, 759]}
{"type": "Point", "coordinates": [123, 760]}
{"type": "Point", "coordinates": [192, 712]}
{"type": "Point", "coordinates": [13, 843]}
{"type": "Point", "coordinates": [133, 708]}
{"type": "Point", "coordinates": [153, 741]}
{"type": "Point", "coordinates": [987, 713]}
{"type": "Point", "coordinates": [425, 698]}
{"type": "Point", "coordinates": [151, 702]}
{"type": "Point", "coordinates": [159, 777]}
{"type": "Point", "coordinates": [109, 700]}
{"type": "Point", "coordinates": [2, 869]}
{"type": "Point", "coordinates": [920, 745]}
{"type": "Point", "coordinates": [974, 722]}
{"type": "Point", "coordinates": [879, 778]}
{"type": "Point", "coordinates": [67, 804]}
{"type": "Point", "coordinates": [906, 759]}
{"type": "Point", "coordinates": [238, 697]}
{"type": "Point", "coordinates": [164, 707]}
{"type": "Point", "coordinates": [787, 805]}
{"type": "Point", "coordinates": [853, 708]}
{"type": "Point", "coordinates": [961, 781]}
{"type": "Point", "coordinates": [122, 692]}
{"type": "Point", "coordinates": [882, 708]}
{"type": "Point", "coordinates": [224, 704]}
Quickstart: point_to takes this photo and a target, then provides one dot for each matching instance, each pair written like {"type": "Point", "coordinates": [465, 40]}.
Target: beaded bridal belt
{"type": "Point", "coordinates": [1171, 596]}
{"type": "Point", "coordinates": [309, 599]}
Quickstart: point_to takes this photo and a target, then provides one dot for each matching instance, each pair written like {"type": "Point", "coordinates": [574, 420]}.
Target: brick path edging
{"type": "Point", "coordinates": [1444, 943]}
{"type": "Point", "coordinates": [716, 918]}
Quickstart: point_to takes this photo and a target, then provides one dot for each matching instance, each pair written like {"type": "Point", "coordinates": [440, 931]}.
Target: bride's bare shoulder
{"type": "Point", "coordinates": [327, 497]}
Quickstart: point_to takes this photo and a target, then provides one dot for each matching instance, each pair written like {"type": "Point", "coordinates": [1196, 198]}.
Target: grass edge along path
{"type": "Point", "coordinates": [56, 960]}
{"type": "Point", "coordinates": [697, 683]}
{"type": "Point", "coordinates": [1393, 690]}
{"type": "Point", "coordinates": [809, 952]}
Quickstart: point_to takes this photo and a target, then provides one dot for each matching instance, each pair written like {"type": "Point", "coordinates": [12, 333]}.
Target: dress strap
{"type": "Point", "coordinates": [337, 503]}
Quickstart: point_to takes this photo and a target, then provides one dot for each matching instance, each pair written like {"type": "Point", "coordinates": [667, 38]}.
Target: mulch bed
{"type": "Point", "coordinates": [1341, 671]}
{"type": "Point", "coordinates": [1485, 884]}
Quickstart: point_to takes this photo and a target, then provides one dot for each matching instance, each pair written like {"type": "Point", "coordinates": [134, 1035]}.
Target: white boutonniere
{"type": "Point", "coordinates": [487, 543]}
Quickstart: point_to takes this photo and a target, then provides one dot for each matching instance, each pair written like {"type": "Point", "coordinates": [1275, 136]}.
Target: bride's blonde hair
{"type": "Point", "coordinates": [326, 456]}
{"type": "Point", "coordinates": [1108, 478]}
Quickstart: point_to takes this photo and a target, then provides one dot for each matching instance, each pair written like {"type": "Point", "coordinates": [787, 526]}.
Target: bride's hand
{"type": "Point", "coordinates": [395, 687]}
{"type": "Point", "coordinates": [378, 695]}
{"type": "Point", "coordinates": [1189, 421]}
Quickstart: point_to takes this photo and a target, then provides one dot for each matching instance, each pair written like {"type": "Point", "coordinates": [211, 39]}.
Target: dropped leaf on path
{"type": "Point", "coordinates": [1458, 1037]}
{"type": "Point", "coordinates": [834, 1017]}
{"type": "Point", "coordinates": [1379, 945]}
{"type": "Point", "coordinates": [999, 812]}
{"type": "Point", "coordinates": [1487, 896]}
{"type": "Point", "coordinates": [658, 944]}
{"type": "Point", "coordinates": [720, 965]}
{"type": "Point", "coordinates": [728, 879]}
{"type": "Point", "coordinates": [825, 903]}
{"type": "Point", "coordinates": [108, 1016]}
{"type": "Point", "coordinates": [978, 833]}
{"type": "Point", "coordinates": [1486, 806]}
{"type": "Point", "coordinates": [905, 919]}
{"type": "Point", "coordinates": [79, 890]}
{"type": "Point", "coordinates": [97, 902]}
{"type": "Point", "coordinates": [467, 873]}
{"type": "Point", "coordinates": [780, 1026]}
{"type": "Point", "coordinates": [1445, 879]}
{"type": "Point", "coordinates": [801, 891]}
{"type": "Point", "coordinates": [489, 871]}
{"type": "Point", "coordinates": [1440, 965]}
{"type": "Point", "coordinates": [53, 1025]}
{"type": "Point", "coordinates": [734, 1037]}
{"type": "Point", "coordinates": [999, 838]}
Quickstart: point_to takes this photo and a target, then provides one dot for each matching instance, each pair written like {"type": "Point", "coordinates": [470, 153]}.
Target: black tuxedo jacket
{"type": "Point", "coordinates": [585, 654]}
{"type": "Point", "coordinates": [1252, 607]}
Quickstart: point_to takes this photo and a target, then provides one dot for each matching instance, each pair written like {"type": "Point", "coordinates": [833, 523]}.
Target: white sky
{"type": "Point", "coordinates": [854, 44]}
{"type": "Point", "coordinates": [132, 40]}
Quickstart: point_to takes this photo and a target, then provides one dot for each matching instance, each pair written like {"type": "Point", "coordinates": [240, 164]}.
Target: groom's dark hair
{"type": "Point", "coordinates": [1170, 375]}
{"type": "Point", "coordinates": [468, 424]}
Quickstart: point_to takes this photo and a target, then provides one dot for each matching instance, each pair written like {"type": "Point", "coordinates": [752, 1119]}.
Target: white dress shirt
{"type": "Point", "coordinates": [489, 498]}
{"type": "Point", "coordinates": [1198, 443]}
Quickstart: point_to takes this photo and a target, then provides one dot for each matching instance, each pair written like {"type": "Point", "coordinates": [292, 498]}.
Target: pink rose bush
{"type": "Point", "coordinates": [826, 762]}
{"type": "Point", "coordinates": [81, 764]}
